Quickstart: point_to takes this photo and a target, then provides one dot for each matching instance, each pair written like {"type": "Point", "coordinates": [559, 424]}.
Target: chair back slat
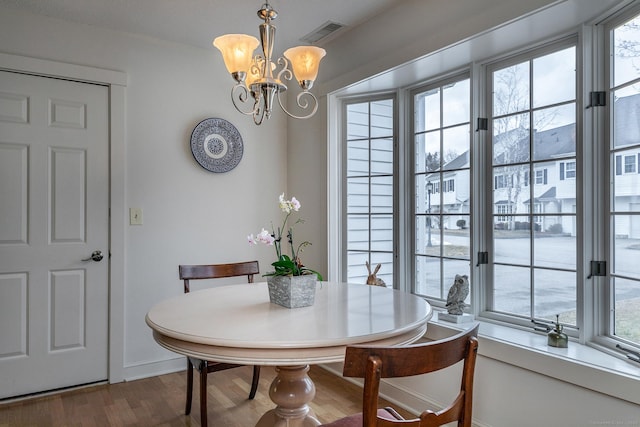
{"type": "Point", "coordinates": [217, 271]}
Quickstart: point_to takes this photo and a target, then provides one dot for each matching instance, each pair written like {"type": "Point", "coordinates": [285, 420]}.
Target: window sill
{"type": "Point", "coordinates": [578, 364]}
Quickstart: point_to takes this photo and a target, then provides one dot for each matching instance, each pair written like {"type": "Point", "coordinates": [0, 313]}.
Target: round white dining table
{"type": "Point", "coordinates": [238, 324]}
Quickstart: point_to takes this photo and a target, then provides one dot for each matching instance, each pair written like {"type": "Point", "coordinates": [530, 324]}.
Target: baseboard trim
{"type": "Point", "coordinates": [151, 369]}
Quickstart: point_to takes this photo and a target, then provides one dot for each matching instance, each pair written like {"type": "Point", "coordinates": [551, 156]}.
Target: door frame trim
{"type": "Point", "coordinates": [116, 81]}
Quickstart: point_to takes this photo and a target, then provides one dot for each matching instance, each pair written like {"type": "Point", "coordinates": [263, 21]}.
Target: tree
{"type": "Point", "coordinates": [432, 161]}
{"type": "Point", "coordinates": [512, 134]}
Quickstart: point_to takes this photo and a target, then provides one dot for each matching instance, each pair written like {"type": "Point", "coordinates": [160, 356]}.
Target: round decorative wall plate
{"type": "Point", "coordinates": [216, 145]}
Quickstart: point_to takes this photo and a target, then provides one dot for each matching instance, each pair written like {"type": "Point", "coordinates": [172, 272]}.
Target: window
{"type": "Point", "coordinates": [541, 176]}
{"type": "Point", "coordinates": [623, 318]}
{"type": "Point", "coordinates": [504, 215]}
{"type": "Point", "coordinates": [567, 170]}
{"type": "Point", "coordinates": [449, 185]}
{"type": "Point", "coordinates": [533, 116]}
{"type": "Point", "coordinates": [441, 135]}
{"type": "Point", "coordinates": [370, 180]}
{"type": "Point", "coordinates": [537, 191]}
{"type": "Point", "coordinates": [629, 164]}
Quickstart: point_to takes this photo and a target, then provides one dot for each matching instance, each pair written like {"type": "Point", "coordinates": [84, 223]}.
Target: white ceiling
{"type": "Point", "coordinates": [198, 22]}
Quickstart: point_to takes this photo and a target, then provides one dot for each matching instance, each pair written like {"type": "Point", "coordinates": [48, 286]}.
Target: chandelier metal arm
{"type": "Point", "coordinates": [240, 92]}
{"type": "Point", "coordinates": [258, 114]}
{"type": "Point", "coordinates": [285, 73]}
{"type": "Point", "coordinates": [303, 103]}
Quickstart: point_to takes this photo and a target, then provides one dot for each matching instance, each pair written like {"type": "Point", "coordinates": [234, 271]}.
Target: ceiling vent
{"type": "Point", "coordinates": [322, 33]}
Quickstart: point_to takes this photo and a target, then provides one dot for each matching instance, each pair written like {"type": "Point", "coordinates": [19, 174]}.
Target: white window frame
{"type": "Point", "coordinates": [345, 103]}
{"type": "Point", "coordinates": [592, 34]}
{"type": "Point", "coordinates": [438, 213]}
{"type": "Point", "coordinates": [539, 169]}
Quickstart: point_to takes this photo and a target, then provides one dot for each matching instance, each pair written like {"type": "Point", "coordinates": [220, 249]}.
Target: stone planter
{"type": "Point", "coordinates": [292, 291]}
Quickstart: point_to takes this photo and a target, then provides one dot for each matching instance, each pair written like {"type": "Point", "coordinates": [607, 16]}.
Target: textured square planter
{"type": "Point", "coordinates": [292, 291]}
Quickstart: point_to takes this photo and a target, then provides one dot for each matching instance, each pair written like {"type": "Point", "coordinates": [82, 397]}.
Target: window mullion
{"type": "Point", "coordinates": [531, 167]}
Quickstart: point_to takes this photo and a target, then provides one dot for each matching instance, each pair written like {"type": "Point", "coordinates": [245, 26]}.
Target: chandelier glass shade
{"type": "Point", "coordinates": [258, 85]}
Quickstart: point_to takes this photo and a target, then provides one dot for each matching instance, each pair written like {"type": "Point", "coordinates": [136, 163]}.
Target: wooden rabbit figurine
{"type": "Point", "coordinates": [372, 279]}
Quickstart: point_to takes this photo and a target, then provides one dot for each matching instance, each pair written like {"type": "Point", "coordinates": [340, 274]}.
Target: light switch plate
{"type": "Point", "coordinates": [135, 216]}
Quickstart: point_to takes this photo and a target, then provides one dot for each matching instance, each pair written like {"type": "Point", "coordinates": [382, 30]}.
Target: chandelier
{"type": "Point", "coordinates": [257, 80]}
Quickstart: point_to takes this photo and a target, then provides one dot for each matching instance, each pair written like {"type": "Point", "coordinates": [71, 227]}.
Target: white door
{"type": "Point", "coordinates": [54, 212]}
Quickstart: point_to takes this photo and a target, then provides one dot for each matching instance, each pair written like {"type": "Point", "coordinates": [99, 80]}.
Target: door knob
{"type": "Point", "coordinates": [95, 256]}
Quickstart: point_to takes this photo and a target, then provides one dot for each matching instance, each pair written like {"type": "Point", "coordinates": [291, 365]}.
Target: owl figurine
{"type": "Point", "coordinates": [457, 294]}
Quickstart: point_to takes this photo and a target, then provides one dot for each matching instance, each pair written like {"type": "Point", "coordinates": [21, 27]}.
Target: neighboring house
{"type": "Point", "coordinates": [455, 189]}
{"type": "Point", "coordinates": [626, 164]}
{"type": "Point", "coordinates": [549, 187]}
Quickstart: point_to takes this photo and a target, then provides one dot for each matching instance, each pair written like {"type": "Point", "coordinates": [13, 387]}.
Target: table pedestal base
{"type": "Point", "coordinates": [291, 391]}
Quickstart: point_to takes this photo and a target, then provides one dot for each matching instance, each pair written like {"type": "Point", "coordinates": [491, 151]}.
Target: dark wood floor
{"type": "Point", "coordinates": [159, 401]}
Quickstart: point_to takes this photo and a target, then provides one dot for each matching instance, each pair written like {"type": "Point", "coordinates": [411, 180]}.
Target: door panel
{"type": "Point", "coordinates": [67, 182]}
{"type": "Point", "coordinates": [67, 309]}
{"type": "Point", "coordinates": [53, 214]}
{"type": "Point", "coordinates": [13, 311]}
{"type": "Point", "coordinates": [13, 208]}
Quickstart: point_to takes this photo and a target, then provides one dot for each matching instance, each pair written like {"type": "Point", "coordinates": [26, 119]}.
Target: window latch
{"type": "Point", "coordinates": [630, 353]}
{"type": "Point", "coordinates": [597, 99]}
{"type": "Point", "coordinates": [483, 258]}
{"type": "Point", "coordinates": [598, 268]}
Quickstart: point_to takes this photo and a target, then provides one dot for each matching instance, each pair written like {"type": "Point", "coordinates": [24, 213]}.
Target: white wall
{"type": "Point", "coordinates": [306, 167]}
{"type": "Point", "coordinates": [190, 215]}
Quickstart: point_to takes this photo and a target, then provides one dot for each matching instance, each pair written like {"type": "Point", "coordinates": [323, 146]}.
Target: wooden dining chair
{"type": "Point", "coordinates": [214, 271]}
{"type": "Point", "coordinates": [374, 363]}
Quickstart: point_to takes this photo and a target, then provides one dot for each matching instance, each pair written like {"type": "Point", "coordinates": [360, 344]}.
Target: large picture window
{"type": "Point", "coordinates": [518, 172]}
